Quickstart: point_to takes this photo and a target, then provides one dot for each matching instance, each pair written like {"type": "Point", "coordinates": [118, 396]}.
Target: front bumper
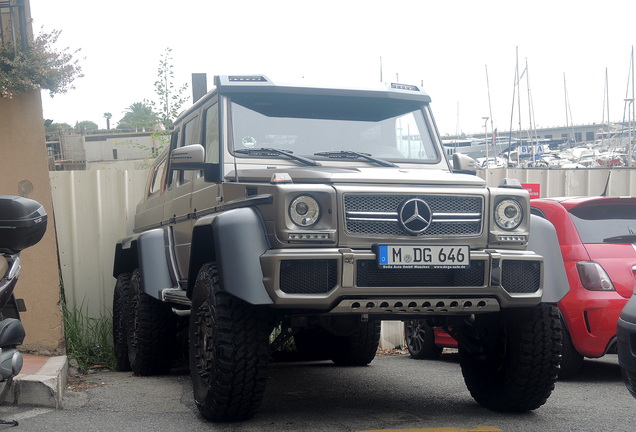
{"type": "Point", "coordinates": [344, 280]}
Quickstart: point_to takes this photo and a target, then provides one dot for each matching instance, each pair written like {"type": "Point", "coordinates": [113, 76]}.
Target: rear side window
{"type": "Point", "coordinates": [606, 223]}
{"type": "Point", "coordinates": [211, 134]}
{"type": "Point", "coordinates": [188, 138]}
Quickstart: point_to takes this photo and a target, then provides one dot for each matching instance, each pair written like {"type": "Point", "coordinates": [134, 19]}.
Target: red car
{"type": "Point", "coordinates": [597, 236]}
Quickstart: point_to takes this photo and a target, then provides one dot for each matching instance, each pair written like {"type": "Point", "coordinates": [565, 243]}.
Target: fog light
{"type": "Point", "coordinates": [309, 236]}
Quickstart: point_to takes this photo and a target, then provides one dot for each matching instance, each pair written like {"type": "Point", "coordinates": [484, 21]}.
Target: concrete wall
{"type": "Point", "coordinates": [25, 172]}
{"type": "Point", "coordinates": [99, 148]}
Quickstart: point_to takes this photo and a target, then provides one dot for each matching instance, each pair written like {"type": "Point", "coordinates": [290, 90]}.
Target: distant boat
{"type": "Point", "coordinates": [477, 148]}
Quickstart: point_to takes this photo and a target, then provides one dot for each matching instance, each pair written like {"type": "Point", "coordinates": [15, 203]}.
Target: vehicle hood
{"type": "Point", "coordinates": [334, 175]}
{"type": "Point", "coordinates": [617, 260]}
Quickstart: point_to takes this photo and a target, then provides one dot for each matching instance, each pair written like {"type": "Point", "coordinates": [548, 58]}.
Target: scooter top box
{"type": "Point", "coordinates": [22, 223]}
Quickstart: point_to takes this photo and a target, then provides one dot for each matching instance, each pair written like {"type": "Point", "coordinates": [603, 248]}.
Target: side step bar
{"type": "Point", "coordinates": [177, 296]}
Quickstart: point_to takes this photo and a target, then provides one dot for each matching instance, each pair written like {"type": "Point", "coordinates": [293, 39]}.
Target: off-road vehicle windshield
{"type": "Point", "coordinates": [332, 127]}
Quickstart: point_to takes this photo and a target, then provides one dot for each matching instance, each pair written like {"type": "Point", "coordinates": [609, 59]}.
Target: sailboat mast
{"type": "Point", "coordinates": [568, 111]}
{"type": "Point", "coordinates": [565, 95]}
{"type": "Point", "coordinates": [512, 113]}
{"type": "Point", "coordinates": [519, 97]}
{"type": "Point", "coordinates": [632, 119]}
{"type": "Point", "coordinates": [492, 128]}
{"type": "Point", "coordinates": [456, 127]}
{"type": "Point", "coordinates": [605, 107]}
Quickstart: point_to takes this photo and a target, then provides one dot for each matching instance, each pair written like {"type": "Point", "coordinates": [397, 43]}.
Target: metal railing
{"type": "Point", "coordinates": [13, 24]}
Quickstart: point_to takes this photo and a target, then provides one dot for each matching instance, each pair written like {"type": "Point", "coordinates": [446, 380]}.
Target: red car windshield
{"type": "Point", "coordinates": [606, 223]}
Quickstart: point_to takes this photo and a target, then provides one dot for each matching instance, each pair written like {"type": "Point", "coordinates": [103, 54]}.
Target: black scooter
{"type": "Point", "coordinates": [22, 224]}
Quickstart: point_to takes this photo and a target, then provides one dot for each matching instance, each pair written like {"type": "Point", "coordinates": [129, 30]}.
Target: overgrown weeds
{"type": "Point", "coordinates": [88, 340]}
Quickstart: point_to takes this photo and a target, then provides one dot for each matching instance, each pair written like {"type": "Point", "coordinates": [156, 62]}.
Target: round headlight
{"type": "Point", "coordinates": [304, 211]}
{"type": "Point", "coordinates": [508, 214]}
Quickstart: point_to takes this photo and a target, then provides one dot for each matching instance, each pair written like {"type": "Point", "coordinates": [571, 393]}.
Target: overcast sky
{"type": "Point", "coordinates": [445, 45]}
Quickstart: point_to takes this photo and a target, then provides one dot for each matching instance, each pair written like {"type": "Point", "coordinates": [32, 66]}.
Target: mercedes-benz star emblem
{"type": "Point", "coordinates": [414, 216]}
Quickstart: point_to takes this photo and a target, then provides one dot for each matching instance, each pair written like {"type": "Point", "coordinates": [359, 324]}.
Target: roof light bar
{"type": "Point", "coordinates": [247, 78]}
{"type": "Point", "coordinates": [399, 86]}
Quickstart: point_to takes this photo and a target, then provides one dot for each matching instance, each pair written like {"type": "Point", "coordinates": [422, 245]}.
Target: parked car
{"type": "Point", "coordinates": [323, 211]}
{"type": "Point", "coordinates": [425, 342]}
{"type": "Point", "coordinates": [626, 334]}
{"type": "Point", "coordinates": [597, 236]}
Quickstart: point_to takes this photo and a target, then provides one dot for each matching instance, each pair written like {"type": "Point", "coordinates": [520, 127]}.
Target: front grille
{"type": "Point", "coordinates": [452, 215]}
{"type": "Point", "coordinates": [308, 276]}
{"type": "Point", "coordinates": [521, 277]}
{"type": "Point", "coordinates": [369, 275]}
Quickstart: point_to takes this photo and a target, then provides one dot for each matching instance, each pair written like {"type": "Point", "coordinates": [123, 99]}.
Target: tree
{"type": "Point", "coordinates": [171, 97]}
{"type": "Point", "coordinates": [85, 126]}
{"type": "Point", "coordinates": [139, 116]}
{"type": "Point", "coordinates": [39, 66]}
{"type": "Point", "coordinates": [108, 116]}
{"type": "Point", "coordinates": [55, 128]}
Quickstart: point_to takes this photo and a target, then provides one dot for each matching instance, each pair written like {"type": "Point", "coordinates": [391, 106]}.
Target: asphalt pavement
{"type": "Point", "coordinates": [393, 393]}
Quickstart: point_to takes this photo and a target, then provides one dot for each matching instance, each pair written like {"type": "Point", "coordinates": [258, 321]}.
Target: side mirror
{"type": "Point", "coordinates": [191, 157]}
{"type": "Point", "coordinates": [464, 164]}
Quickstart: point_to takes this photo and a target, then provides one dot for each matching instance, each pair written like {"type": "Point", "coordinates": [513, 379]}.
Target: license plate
{"type": "Point", "coordinates": [437, 257]}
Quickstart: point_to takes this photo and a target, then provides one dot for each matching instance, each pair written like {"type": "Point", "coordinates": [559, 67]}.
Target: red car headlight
{"type": "Point", "coordinates": [593, 276]}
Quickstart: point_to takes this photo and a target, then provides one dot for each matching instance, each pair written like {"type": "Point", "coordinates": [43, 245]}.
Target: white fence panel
{"type": "Point", "coordinates": [93, 209]}
{"type": "Point", "coordinates": [570, 182]}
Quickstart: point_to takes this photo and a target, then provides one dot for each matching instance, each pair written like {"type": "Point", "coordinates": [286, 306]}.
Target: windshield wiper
{"type": "Point", "coordinates": [264, 151]}
{"type": "Point", "coordinates": [348, 154]}
{"type": "Point", "coordinates": [625, 238]}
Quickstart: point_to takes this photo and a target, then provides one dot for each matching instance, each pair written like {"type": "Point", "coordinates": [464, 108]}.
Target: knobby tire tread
{"type": "Point", "coordinates": [151, 347]}
{"type": "Point", "coordinates": [120, 321]}
{"type": "Point", "coordinates": [359, 348]}
{"type": "Point", "coordinates": [228, 384]}
{"type": "Point", "coordinates": [524, 377]}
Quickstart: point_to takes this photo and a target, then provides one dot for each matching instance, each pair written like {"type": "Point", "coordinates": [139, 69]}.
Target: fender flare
{"type": "Point", "coordinates": [235, 240]}
{"type": "Point", "coordinates": [543, 241]}
{"type": "Point", "coordinates": [147, 251]}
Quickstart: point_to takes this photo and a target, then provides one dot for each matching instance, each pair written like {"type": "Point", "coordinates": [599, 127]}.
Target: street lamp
{"type": "Point", "coordinates": [629, 145]}
{"type": "Point", "coordinates": [485, 119]}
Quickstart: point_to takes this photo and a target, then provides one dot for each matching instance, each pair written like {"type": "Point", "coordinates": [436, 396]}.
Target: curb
{"type": "Point", "coordinates": [44, 388]}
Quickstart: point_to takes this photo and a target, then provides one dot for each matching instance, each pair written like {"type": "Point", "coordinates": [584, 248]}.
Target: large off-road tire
{"type": "Point", "coordinates": [420, 340]}
{"type": "Point", "coordinates": [229, 351]}
{"type": "Point", "coordinates": [358, 348]}
{"type": "Point", "coordinates": [571, 360]}
{"type": "Point", "coordinates": [152, 331]}
{"type": "Point", "coordinates": [519, 359]}
{"type": "Point", "coordinates": [120, 321]}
